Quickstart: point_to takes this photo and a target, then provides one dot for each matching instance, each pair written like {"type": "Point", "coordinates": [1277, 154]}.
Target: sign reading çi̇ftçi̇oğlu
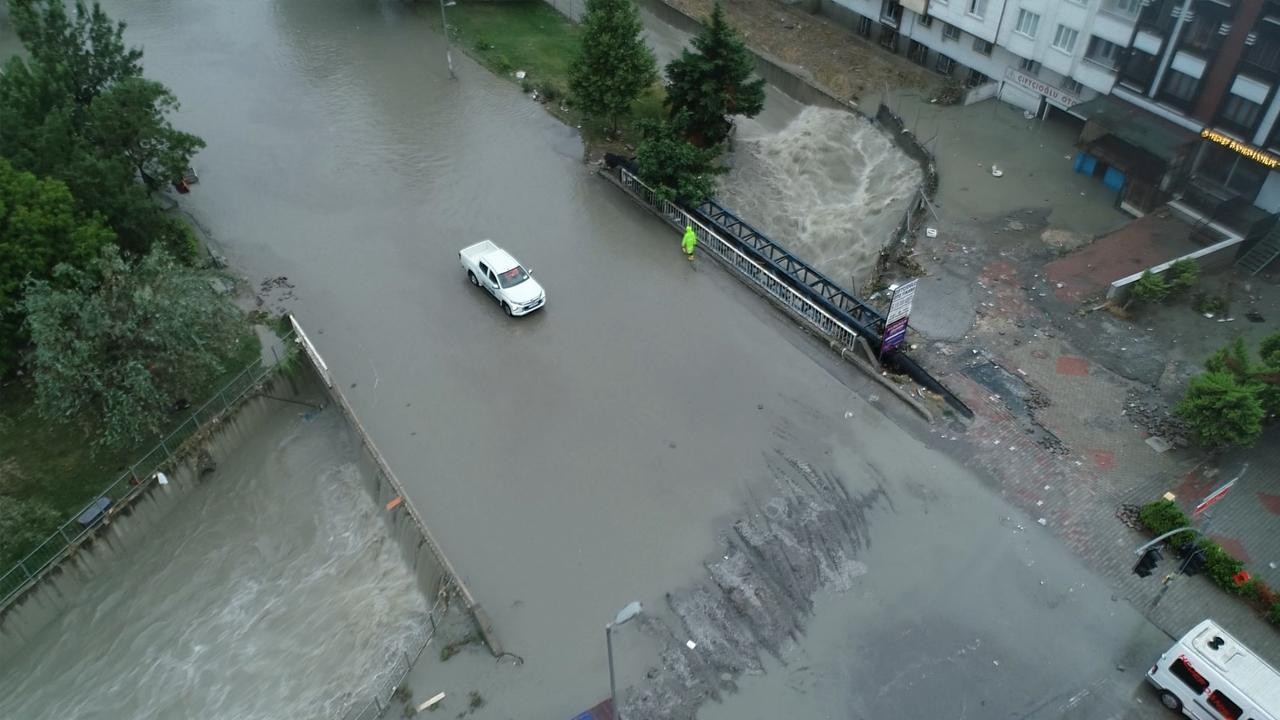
{"type": "Point", "coordinates": [1249, 151]}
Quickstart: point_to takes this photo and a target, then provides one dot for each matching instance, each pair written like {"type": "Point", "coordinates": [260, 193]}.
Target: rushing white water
{"type": "Point", "coordinates": [272, 591]}
{"type": "Point", "coordinates": [829, 187]}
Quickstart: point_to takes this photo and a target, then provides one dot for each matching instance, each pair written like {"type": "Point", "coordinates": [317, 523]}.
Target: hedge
{"type": "Point", "coordinates": [1162, 516]}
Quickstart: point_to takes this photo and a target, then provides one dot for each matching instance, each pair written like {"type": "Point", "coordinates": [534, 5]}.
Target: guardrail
{"type": "Point", "coordinates": [27, 571]}
{"type": "Point", "coordinates": [771, 281]}
{"type": "Point", "coordinates": [380, 701]}
{"type": "Point", "coordinates": [804, 292]}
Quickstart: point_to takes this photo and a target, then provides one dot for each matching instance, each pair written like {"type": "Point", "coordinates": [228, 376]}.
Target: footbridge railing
{"type": "Point", "coordinates": [825, 306]}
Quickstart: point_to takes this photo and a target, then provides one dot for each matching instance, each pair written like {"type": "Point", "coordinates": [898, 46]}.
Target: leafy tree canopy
{"type": "Point", "coordinates": [119, 343]}
{"type": "Point", "coordinates": [713, 83]}
{"type": "Point", "coordinates": [614, 66]}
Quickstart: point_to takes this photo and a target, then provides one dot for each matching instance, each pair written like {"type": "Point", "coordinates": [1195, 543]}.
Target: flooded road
{"type": "Point", "coordinates": [271, 590]}
{"type": "Point", "coordinates": [570, 462]}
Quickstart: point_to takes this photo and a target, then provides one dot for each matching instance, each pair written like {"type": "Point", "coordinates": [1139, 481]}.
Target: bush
{"type": "Point", "coordinates": [549, 91]}
{"type": "Point", "coordinates": [1150, 288]}
{"type": "Point", "coordinates": [1221, 566]}
{"type": "Point", "coordinates": [1206, 303]}
{"type": "Point", "coordinates": [1275, 613]}
{"type": "Point", "coordinates": [1162, 516]}
{"type": "Point", "coordinates": [1250, 589]}
{"type": "Point", "coordinates": [1183, 274]}
{"type": "Point", "coordinates": [1222, 410]}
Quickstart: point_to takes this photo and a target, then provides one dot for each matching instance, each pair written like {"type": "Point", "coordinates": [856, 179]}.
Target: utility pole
{"type": "Point", "coordinates": [448, 50]}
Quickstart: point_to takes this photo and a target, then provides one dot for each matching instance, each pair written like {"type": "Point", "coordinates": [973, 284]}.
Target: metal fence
{"type": "Point", "coordinates": [772, 283]}
{"type": "Point", "coordinates": [392, 678]}
{"type": "Point", "coordinates": [130, 484]}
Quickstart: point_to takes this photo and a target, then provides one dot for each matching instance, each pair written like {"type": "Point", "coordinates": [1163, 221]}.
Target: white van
{"type": "Point", "coordinates": [1209, 675]}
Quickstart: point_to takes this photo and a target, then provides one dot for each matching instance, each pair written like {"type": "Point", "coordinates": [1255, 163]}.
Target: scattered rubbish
{"type": "Point", "coordinates": [996, 663]}
{"type": "Point", "coordinates": [1271, 565]}
{"type": "Point", "coordinates": [1254, 316]}
{"type": "Point", "coordinates": [690, 644]}
{"type": "Point", "coordinates": [1046, 487]}
{"type": "Point", "coordinates": [1039, 503]}
{"type": "Point", "coordinates": [395, 502]}
{"type": "Point", "coordinates": [996, 172]}
{"type": "Point", "coordinates": [1042, 521]}
{"type": "Point", "coordinates": [1159, 444]}
{"type": "Point", "coordinates": [1041, 582]}
{"type": "Point", "coordinates": [430, 702]}
{"type": "Point", "coordinates": [164, 480]}
{"type": "Point", "coordinates": [1120, 668]}
{"type": "Point", "coordinates": [873, 398]}
{"type": "Point", "coordinates": [1208, 316]}
{"type": "Point", "coordinates": [520, 74]}
{"type": "Point", "coordinates": [848, 414]}
{"type": "Point", "coordinates": [931, 232]}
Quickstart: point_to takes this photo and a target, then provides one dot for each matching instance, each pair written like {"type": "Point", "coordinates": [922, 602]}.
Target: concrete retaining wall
{"type": "Point", "coordinates": [423, 552]}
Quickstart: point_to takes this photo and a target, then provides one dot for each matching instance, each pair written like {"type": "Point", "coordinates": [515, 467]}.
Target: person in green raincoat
{"type": "Point", "coordinates": [689, 242]}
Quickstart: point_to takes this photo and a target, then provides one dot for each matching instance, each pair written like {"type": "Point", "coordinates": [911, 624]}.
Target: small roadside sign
{"type": "Point", "coordinates": [1212, 498]}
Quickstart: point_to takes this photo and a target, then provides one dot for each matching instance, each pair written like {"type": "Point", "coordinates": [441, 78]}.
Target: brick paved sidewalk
{"type": "Point", "coordinates": [1076, 493]}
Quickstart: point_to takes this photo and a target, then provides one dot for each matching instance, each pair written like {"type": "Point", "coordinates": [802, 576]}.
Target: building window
{"type": "Point", "coordinates": [890, 12]}
{"type": "Point", "coordinates": [950, 32]}
{"type": "Point", "coordinates": [864, 27]}
{"type": "Point", "coordinates": [1030, 67]}
{"type": "Point", "coordinates": [982, 47]}
{"type": "Point", "coordinates": [1065, 39]}
{"type": "Point", "coordinates": [1028, 23]}
{"type": "Point", "coordinates": [1138, 70]}
{"type": "Point", "coordinates": [944, 65]}
{"type": "Point", "coordinates": [1180, 88]}
{"type": "Point", "coordinates": [1071, 86]}
{"type": "Point", "coordinates": [925, 21]}
{"type": "Point", "coordinates": [976, 7]}
{"type": "Point", "coordinates": [975, 79]}
{"type": "Point", "coordinates": [1104, 53]}
{"type": "Point", "coordinates": [1123, 8]}
{"type": "Point", "coordinates": [889, 38]}
{"type": "Point", "coordinates": [918, 52]}
{"type": "Point", "coordinates": [1240, 113]}
{"type": "Point", "coordinates": [1239, 175]}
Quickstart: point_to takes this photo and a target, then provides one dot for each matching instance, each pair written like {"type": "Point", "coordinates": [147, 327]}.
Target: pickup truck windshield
{"type": "Point", "coordinates": [513, 277]}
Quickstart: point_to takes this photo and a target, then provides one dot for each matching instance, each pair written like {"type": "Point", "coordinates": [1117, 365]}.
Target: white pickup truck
{"type": "Point", "coordinates": [492, 268]}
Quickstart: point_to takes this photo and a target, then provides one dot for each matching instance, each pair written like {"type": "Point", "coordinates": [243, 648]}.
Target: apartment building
{"type": "Point", "coordinates": [1176, 98]}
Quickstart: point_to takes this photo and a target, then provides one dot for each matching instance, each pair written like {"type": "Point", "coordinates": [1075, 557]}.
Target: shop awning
{"type": "Point", "coordinates": [1154, 136]}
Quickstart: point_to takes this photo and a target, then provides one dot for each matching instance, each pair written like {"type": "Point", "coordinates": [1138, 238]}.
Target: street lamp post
{"type": "Point", "coordinates": [444, 23]}
{"type": "Point", "coordinates": [624, 615]}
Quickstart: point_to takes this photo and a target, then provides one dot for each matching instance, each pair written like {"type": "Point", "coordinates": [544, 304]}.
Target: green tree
{"type": "Point", "coordinates": [118, 343]}
{"type": "Point", "coordinates": [39, 229]}
{"type": "Point", "coordinates": [1222, 410]}
{"type": "Point", "coordinates": [614, 66]}
{"type": "Point", "coordinates": [714, 83]}
{"type": "Point", "coordinates": [1183, 274]}
{"type": "Point", "coordinates": [674, 168]}
{"type": "Point", "coordinates": [1150, 288]}
{"type": "Point", "coordinates": [78, 110]}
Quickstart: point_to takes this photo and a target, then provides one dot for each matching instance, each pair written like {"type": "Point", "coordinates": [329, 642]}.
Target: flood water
{"type": "Point", "coordinates": [271, 591]}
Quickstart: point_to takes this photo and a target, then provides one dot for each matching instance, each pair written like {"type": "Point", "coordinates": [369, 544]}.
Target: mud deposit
{"type": "Point", "coordinates": [758, 593]}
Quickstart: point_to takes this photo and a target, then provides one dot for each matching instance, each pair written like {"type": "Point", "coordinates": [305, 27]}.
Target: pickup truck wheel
{"type": "Point", "coordinates": [472, 277]}
{"type": "Point", "coordinates": [506, 309]}
{"type": "Point", "coordinates": [1170, 701]}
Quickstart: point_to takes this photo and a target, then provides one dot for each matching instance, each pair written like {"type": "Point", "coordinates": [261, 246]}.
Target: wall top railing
{"type": "Point", "coordinates": [28, 570]}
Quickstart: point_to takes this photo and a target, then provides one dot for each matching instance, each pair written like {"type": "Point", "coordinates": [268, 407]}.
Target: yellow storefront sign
{"type": "Point", "coordinates": [1249, 151]}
